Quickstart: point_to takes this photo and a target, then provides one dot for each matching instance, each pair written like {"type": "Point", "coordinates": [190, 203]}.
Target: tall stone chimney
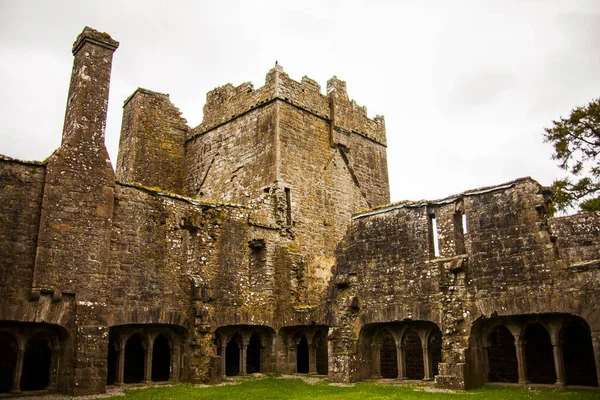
{"type": "Point", "coordinates": [73, 250]}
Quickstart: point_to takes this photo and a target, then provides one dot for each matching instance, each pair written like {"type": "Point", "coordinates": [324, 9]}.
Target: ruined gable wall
{"type": "Point", "coordinates": [151, 147]}
{"type": "Point", "coordinates": [21, 189]}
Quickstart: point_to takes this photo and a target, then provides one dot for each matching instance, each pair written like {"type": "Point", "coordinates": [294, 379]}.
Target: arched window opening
{"type": "Point", "coordinates": [161, 359]}
{"type": "Point", "coordinates": [135, 357]}
{"type": "Point", "coordinates": [578, 356]}
{"type": "Point", "coordinates": [302, 356]}
{"type": "Point", "coordinates": [413, 351]}
{"type": "Point", "coordinates": [253, 354]}
{"type": "Point", "coordinates": [539, 357]}
{"type": "Point", "coordinates": [8, 361]}
{"type": "Point", "coordinates": [111, 360]}
{"type": "Point", "coordinates": [435, 349]}
{"type": "Point", "coordinates": [36, 364]}
{"type": "Point", "coordinates": [232, 357]}
{"type": "Point", "coordinates": [322, 362]}
{"type": "Point", "coordinates": [502, 356]}
{"type": "Point", "coordinates": [388, 356]}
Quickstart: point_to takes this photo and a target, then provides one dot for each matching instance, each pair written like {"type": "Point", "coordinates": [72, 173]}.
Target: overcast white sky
{"type": "Point", "coordinates": [466, 87]}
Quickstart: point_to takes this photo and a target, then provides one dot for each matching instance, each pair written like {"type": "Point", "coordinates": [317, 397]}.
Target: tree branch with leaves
{"type": "Point", "coordinates": [576, 143]}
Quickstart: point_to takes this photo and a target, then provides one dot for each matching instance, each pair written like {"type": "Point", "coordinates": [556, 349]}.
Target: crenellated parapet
{"type": "Point", "coordinates": [228, 102]}
{"type": "Point", "coordinates": [348, 117]}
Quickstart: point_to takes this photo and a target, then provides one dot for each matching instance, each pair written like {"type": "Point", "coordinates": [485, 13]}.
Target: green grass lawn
{"type": "Point", "coordinates": [277, 388]}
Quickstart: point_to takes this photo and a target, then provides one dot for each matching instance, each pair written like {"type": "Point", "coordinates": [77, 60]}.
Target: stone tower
{"type": "Point", "coordinates": [306, 160]}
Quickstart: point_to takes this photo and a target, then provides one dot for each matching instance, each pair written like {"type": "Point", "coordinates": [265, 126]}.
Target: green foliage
{"type": "Point", "coordinates": [576, 142]}
{"type": "Point", "coordinates": [277, 388]}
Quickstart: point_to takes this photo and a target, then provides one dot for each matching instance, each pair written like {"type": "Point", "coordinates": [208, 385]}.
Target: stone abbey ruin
{"type": "Point", "coordinates": [263, 240]}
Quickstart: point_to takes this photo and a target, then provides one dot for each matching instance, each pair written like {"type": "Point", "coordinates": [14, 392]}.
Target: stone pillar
{"type": "Point", "coordinates": [486, 362]}
{"type": "Point", "coordinates": [376, 348]}
{"type": "Point", "coordinates": [121, 362]}
{"type": "Point", "coordinates": [596, 346]}
{"type": "Point", "coordinates": [243, 354]}
{"type": "Point", "coordinates": [559, 364]}
{"type": "Point", "coordinates": [427, 363]}
{"type": "Point", "coordinates": [175, 357]}
{"type": "Point", "coordinates": [521, 361]}
{"type": "Point", "coordinates": [148, 361]}
{"type": "Point", "coordinates": [223, 357]}
{"type": "Point", "coordinates": [401, 356]}
{"type": "Point", "coordinates": [312, 357]}
{"type": "Point", "coordinates": [16, 384]}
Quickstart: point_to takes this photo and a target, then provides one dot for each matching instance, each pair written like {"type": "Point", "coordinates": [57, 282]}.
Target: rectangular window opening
{"type": "Point", "coordinates": [459, 232]}
{"type": "Point", "coordinates": [288, 200]}
{"type": "Point", "coordinates": [434, 245]}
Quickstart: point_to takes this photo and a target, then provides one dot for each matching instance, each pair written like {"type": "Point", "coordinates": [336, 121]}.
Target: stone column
{"type": "Point", "coordinates": [486, 362]}
{"type": "Point", "coordinates": [427, 363]}
{"type": "Point", "coordinates": [559, 364]}
{"type": "Point", "coordinates": [16, 384]}
{"type": "Point", "coordinates": [376, 348]}
{"type": "Point", "coordinates": [521, 361]}
{"type": "Point", "coordinates": [175, 357]}
{"type": "Point", "coordinates": [223, 359]}
{"type": "Point", "coordinates": [312, 357]}
{"type": "Point", "coordinates": [121, 362]}
{"type": "Point", "coordinates": [148, 363]}
{"type": "Point", "coordinates": [596, 346]}
{"type": "Point", "coordinates": [400, 355]}
{"type": "Point", "coordinates": [243, 354]}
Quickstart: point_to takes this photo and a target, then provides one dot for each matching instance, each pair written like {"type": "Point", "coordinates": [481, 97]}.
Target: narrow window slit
{"type": "Point", "coordinates": [434, 245]}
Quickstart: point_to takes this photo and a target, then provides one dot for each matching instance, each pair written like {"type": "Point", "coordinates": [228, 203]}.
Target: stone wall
{"type": "Point", "coordinates": [233, 162]}
{"type": "Point", "coordinates": [21, 188]}
{"type": "Point", "coordinates": [503, 262]}
{"type": "Point", "coordinates": [151, 148]}
{"type": "Point", "coordinates": [578, 236]}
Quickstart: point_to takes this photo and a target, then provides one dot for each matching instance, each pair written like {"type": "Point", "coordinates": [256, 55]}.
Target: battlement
{"type": "Point", "coordinates": [228, 102]}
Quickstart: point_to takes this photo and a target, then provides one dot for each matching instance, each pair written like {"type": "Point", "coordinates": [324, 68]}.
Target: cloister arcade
{"type": "Point", "coordinates": [304, 349]}
{"type": "Point", "coordinates": [144, 353]}
{"type": "Point", "coordinates": [29, 356]}
{"type": "Point", "coordinates": [545, 348]}
{"type": "Point", "coordinates": [244, 349]}
{"type": "Point", "coordinates": [401, 350]}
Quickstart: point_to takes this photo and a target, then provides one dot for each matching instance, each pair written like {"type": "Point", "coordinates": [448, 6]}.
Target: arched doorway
{"type": "Point", "coordinates": [578, 356]}
{"type": "Point", "coordinates": [111, 361]}
{"type": "Point", "coordinates": [413, 350]}
{"type": "Point", "coordinates": [161, 359]}
{"type": "Point", "coordinates": [253, 354]}
{"type": "Point", "coordinates": [388, 356]}
{"type": "Point", "coordinates": [36, 364]}
{"type": "Point", "coordinates": [232, 356]}
{"type": "Point", "coordinates": [502, 356]}
{"type": "Point", "coordinates": [538, 355]}
{"type": "Point", "coordinates": [135, 358]}
{"type": "Point", "coordinates": [8, 361]}
{"type": "Point", "coordinates": [302, 356]}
